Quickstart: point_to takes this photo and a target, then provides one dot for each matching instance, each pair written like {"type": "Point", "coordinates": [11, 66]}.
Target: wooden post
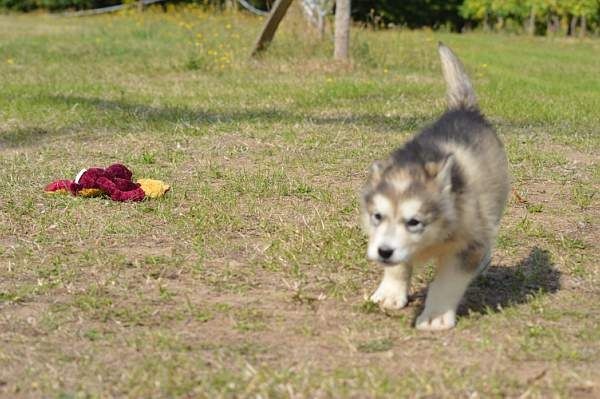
{"type": "Point", "coordinates": [342, 30]}
{"type": "Point", "coordinates": [140, 5]}
{"type": "Point", "coordinates": [270, 27]}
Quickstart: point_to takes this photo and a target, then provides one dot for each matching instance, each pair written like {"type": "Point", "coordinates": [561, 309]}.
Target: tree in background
{"type": "Point", "coordinates": [534, 16]}
{"type": "Point", "coordinates": [477, 10]}
{"type": "Point", "coordinates": [55, 5]}
{"type": "Point", "coordinates": [409, 13]}
{"type": "Point", "coordinates": [584, 10]}
{"type": "Point", "coordinates": [508, 11]}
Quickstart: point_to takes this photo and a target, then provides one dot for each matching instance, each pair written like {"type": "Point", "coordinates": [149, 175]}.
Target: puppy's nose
{"type": "Point", "coordinates": [385, 253]}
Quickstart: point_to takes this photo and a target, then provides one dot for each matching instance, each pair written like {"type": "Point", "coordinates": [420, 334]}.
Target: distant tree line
{"type": "Point", "coordinates": [534, 16]}
{"type": "Point", "coordinates": [55, 5]}
{"type": "Point", "coordinates": [568, 17]}
{"type": "Point", "coordinates": [410, 13]}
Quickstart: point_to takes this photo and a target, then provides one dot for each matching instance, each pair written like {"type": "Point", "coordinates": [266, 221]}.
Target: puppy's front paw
{"type": "Point", "coordinates": [390, 296]}
{"type": "Point", "coordinates": [428, 322]}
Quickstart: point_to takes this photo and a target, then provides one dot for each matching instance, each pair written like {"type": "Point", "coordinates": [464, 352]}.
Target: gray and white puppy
{"type": "Point", "coordinates": [439, 197]}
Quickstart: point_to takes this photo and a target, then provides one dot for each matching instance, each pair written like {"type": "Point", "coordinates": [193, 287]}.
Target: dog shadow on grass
{"type": "Point", "coordinates": [124, 111]}
{"type": "Point", "coordinates": [501, 286]}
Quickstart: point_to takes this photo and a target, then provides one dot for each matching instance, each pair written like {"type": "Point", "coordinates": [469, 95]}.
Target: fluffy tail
{"type": "Point", "coordinates": [460, 91]}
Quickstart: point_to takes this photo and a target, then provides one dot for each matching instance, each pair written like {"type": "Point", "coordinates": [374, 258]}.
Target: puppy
{"type": "Point", "coordinates": [439, 197]}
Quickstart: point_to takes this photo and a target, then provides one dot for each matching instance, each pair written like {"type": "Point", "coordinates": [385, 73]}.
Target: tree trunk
{"type": "Point", "coordinates": [486, 22]}
{"type": "Point", "coordinates": [553, 24]}
{"type": "Point", "coordinates": [583, 30]}
{"type": "Point", "coordinates": [573, 25]}
{"type": "Point", "coordinates": [531, 26]}
{"type": "Point", "coordinates": [342, 30]}
{"type": "Point", "coordinates": [557, 25]}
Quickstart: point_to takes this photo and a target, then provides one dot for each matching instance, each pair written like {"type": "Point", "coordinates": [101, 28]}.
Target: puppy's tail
{"type": "Point", "coordinates": [460, 91]}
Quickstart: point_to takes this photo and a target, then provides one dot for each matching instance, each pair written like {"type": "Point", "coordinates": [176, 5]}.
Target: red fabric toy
{"type": "Point", "coordinates": [114, 181]}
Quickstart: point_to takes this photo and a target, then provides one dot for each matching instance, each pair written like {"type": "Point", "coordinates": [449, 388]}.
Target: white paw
{"type": "Point", "coordinates": [428, 322]}
{"type": "Point", "coordinates": [390, 296]}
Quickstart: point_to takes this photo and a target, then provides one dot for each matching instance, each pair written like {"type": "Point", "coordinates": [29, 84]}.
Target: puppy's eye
{"type": "Point", "coordinates": [414, 225]}
{"type": "Point", "coordinates": [376, 218]}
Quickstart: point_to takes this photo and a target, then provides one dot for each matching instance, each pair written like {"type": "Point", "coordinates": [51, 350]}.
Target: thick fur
{"type": "Point", "coordinates": [440, 197]}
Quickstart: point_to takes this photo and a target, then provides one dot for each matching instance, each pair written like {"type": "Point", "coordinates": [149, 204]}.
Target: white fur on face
{"type": "Point", "coordinates": [391, 232]}
{"type": "Point", "coordinates": [384, 206]}
{"type": "Point", "coordinates": [400, 184]}
{"type": "Point", "coordinates": [409, 208]}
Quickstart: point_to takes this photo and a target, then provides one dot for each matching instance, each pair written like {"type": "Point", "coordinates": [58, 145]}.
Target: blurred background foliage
{"type": "Point", "coordinates": [540, 17]}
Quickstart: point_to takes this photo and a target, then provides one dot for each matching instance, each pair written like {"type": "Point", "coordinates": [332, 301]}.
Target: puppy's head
{"type": "Point", "coordinates": [407, 208]}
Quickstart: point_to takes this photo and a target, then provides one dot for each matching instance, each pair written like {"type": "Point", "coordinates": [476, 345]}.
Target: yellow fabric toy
{"type": "Point", "coordinates": [153, 188]}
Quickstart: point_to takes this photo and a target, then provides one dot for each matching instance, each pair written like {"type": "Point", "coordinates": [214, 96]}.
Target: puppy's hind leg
{"type": "Point", "coordinates": [392, 292]}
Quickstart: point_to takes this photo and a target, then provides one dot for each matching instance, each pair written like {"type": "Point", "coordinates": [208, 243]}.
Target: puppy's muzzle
{"type": "Point", "coordinates": [385, 253]}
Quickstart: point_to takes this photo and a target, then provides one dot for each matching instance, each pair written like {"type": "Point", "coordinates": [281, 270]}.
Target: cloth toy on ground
{"type": "Point", "coordinates": [114, 181]}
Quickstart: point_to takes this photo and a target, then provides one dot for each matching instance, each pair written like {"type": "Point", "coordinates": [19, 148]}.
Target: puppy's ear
{"type": "Point", "coordinates": [376, 172]}
{"type": "Point", "coordinates": [443, 176]}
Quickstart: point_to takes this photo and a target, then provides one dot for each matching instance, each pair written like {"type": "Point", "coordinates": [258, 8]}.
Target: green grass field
{"type": "Point", "coordinates": [249, 278]}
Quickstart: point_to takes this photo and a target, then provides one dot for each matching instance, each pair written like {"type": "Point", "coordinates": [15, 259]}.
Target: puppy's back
{"type": "Point", "coordinates": [464, 132]}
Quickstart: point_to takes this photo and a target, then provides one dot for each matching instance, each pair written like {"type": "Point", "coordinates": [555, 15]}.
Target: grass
{"type": "Point", "coordinates": [249, 278]}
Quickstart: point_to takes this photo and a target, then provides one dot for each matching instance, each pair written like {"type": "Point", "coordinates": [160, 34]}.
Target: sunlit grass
{"type": "Point", "coordinates": [249, 278]}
